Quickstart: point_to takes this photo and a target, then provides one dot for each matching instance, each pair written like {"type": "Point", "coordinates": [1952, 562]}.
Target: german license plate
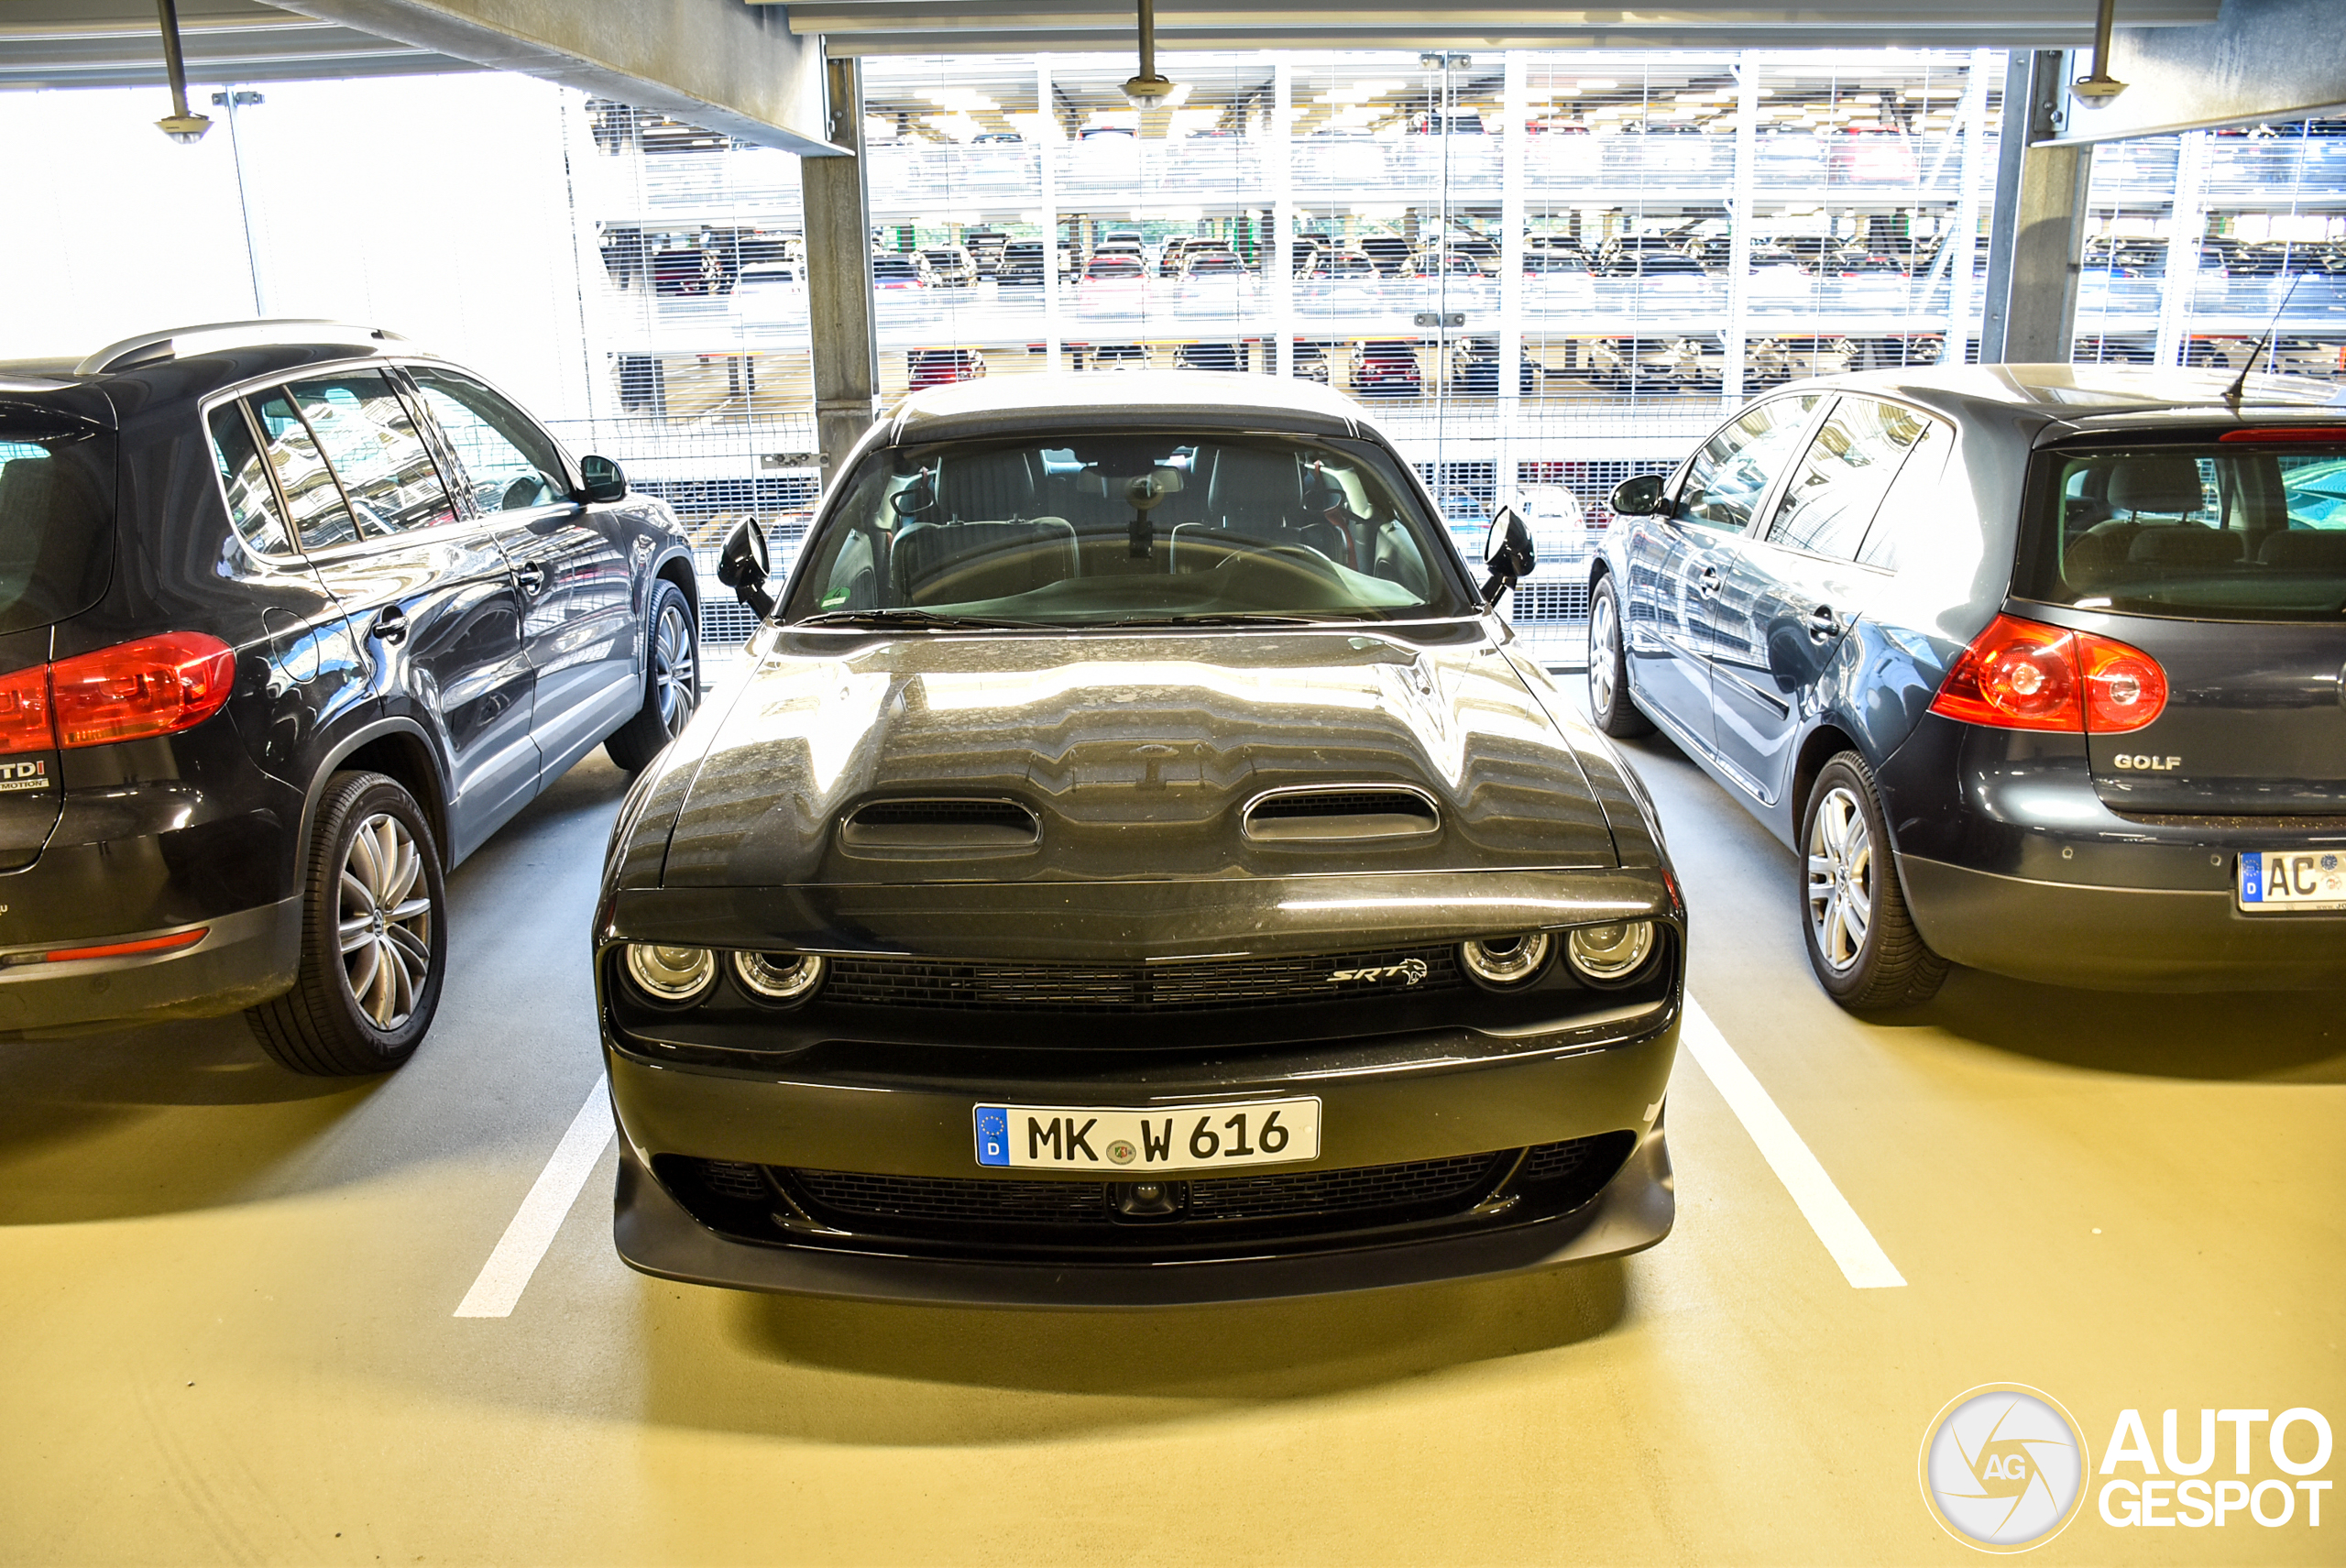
{"type": "Point", "coordinates": [1110, 1141]}
{"type": "Point", "coordinates": [2305, 879]}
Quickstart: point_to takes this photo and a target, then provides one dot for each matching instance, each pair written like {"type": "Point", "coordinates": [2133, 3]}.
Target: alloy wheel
{"type": "Point", "coordinates": [385, 921]}
{"type": "Point", "coordinates": [672, 672]}
{"type": "Point", "coordinates": [1600, 654]}
{"type": "Point", "coordinates": [1840, 878]}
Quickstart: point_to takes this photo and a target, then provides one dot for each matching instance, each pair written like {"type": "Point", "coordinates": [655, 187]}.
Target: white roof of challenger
{"type": "Point", "coordinates": [1134, 392]}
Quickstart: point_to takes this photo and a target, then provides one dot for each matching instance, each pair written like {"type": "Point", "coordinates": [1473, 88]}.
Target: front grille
{"type": "Point", "coordinates": [1272, 1212]}
{"type": "Point", "coordinates": [1340, 1191]}
{"type": "Point", "coordinates": [936, 984]}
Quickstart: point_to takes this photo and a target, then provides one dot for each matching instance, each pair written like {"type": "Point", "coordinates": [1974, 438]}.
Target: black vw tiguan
{"type": "Point", "coordinates": [292, 618]}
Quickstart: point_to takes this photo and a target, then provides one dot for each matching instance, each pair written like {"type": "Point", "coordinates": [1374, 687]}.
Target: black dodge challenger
{"type": "Point", "coordinates": [1137, 868]}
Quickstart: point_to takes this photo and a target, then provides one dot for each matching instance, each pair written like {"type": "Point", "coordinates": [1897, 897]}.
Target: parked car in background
{"type": "Point", "coordinates": [950, 266]}
{"type": "Point", "coordinates": [2037, 667]}
{"type": "Point", "coordinates": [1022, 264]}
{"type": "Point", "coordinates": [295, 616]}
{"type": "Point", "coordinates": [1475, 369]}
{"type": "Point", "coordinates": [942, 367]}
{"type": "Point", "coordinates": [1387, 367]}
{"type": "Point", "coordinates": [1220, 357]}
{"type": "Point", "coordinates": [996, 1005]}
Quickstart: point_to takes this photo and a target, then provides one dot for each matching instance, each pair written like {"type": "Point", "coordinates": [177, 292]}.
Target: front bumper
{"type": "Point", "coordinates": [1426, 1097]}
{"type": "Point", "coordinates": [2118, 938]}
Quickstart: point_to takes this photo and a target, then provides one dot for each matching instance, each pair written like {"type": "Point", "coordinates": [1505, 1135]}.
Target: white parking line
{"type": "Point", "coordinates": [1828, 1213]}
{"type": "Point", "coordinates": [506, 1273]}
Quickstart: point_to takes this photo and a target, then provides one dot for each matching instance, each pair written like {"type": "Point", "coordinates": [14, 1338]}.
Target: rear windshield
{"type": "Point", "coordinates": [2230, 530]}
{"type": "Point", "coordinates": [56, 515]}
{"type": "Point", "coordinates": [1128, 529]}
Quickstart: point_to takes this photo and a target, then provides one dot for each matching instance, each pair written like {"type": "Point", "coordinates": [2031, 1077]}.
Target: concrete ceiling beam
{"type": "Point", "coordinates": [723, 64]}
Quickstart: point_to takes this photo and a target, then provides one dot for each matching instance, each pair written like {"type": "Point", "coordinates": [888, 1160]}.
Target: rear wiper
{"type": "Point", "coordinates": [886, 619]}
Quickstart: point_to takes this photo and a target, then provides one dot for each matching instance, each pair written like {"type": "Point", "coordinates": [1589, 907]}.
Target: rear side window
{"type": "Point", "coordinates": [57, 490]}
{"type": "Point", "coordinates": [386, 471]}
{"type": "Point", "coordinates": [1909, 506]}
{"type": "Point", "coordinates": [508, 462]}
{"type": "Point", "coordinates": [1830, 499]}
{"type": "Point", "coordinates": [252, 504]}
{"type": "Point", "coordinates": [311, 494]}
{"type": "Point", "coordinates": [2224, 530]}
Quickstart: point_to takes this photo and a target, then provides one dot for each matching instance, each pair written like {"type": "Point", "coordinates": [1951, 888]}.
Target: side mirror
{"type": "Point", "coordinates": [744, 567]}
{"type": "Point", "coordinates": [606, 481]}
{"type": "Point", "coordinates": [1508, 553]}
{"type": "Point", "coordinates": [1637, 496]}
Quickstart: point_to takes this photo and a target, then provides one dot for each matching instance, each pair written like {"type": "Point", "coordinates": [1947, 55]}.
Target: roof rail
{"type": "Point", "coordinates": [175, 343]}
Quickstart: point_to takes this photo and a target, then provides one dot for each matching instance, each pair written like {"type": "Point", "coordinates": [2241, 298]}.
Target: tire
{"type": "Point", "coordinates": [1861, 941]}
{"type": "Point", "coordinates": [1609, 701]}
{"type": "Point", "coordinates": [670, 682]}
{"type": "Point", "coordinates": [374, 937]}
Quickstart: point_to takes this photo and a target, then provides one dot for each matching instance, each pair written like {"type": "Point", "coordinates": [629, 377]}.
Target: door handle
{"type": "Point", "coordinates": [1823, 623]}
{"type": "Point", "coordinates": [390, 626]}
{"type": "Point", "coordinates": [531, 576]}
{"type": "Point", "coordinates": [1706, 582]}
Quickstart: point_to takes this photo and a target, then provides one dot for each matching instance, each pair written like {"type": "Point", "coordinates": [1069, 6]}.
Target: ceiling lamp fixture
{"type": "Point", "coordinates": [1148, 88]}
{"type": "Point", "coordinates": [178, 124]}
{"type": "Point", "coordinates": [2101, 87]}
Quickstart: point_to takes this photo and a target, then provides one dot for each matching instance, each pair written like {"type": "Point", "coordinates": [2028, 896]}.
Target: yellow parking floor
{"type": "Point", "coordinates": [227, 1300]}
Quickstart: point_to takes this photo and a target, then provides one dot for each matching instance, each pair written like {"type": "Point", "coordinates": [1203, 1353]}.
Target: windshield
{"type": "Point", "coordinates": [1126, 529]}
{"type": "Point", "coordinates": [2237, 531]}
{"type": "Point", "coordinates": [56, 515]}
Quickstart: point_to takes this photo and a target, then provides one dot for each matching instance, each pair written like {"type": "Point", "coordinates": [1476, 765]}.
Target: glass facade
{"type": "Point", "coordinates": [1544, 271]}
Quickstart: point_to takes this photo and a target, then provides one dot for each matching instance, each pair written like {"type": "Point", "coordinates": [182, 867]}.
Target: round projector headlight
{"type": "Point", "coordinates": [778, 977]}
{"type": "Point", "coordinates": [671, 976]}
{"type": "Point", "coordinates": [1608, 955]}
{"type": "Point", "coordinates": [1505, 961]}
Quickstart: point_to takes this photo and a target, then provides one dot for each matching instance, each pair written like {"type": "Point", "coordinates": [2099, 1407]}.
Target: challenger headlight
{"type": "Point", "coordinates": [673, 977]}
{"type": "Point", "coordinates": [1610, 955]}
{"type": "Point", "coordinates": [778, 977]}
{"type": "Point", "coordinates": [1505, 962]}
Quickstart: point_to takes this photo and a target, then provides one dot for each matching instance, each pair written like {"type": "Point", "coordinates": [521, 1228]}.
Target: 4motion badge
{"type": "Point", "coordinates": [15, 776]}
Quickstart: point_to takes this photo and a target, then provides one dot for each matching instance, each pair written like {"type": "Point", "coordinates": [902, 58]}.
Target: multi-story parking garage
{"type": "Point", "coordinates": [1917, 796]}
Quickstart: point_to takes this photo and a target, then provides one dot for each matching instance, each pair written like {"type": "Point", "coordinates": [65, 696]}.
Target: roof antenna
{"type": "Point", "coordinates": [2240, 382]}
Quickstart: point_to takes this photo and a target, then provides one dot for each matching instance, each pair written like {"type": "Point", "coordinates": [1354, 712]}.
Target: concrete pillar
{"type": "Point", "coordinates": [2038, 229]}
{"type": "Point", "coordinates": [1960, 248]}
{"type": "Point", "coordinates": [839, 273]}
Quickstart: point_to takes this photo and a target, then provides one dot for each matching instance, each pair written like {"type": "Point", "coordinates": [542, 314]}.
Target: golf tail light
{"type": "Point", "coordinates": [2022, 674]}
{"type": "Point", "coordinates": [672, 976]}
{"type": "Point", "coordinates": [1608, 955]}
{"type": "Point", "coordinates": [24, 712]}
{"type": "Point", "coordinates": [1505, 961]}
{"type": "Point", "coordinates": [778, 977]}
{"type": "Point", "coordinates": [157, 686]}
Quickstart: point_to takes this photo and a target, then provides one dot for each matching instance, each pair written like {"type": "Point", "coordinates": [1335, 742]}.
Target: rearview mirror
{"type": "Point", "coordinates": [606, 481]}
{"type": "Point", "coordinates": [1637, 496]}
{"type": "Point", "coordinates": [744, 565]}
{"type": "Point", "coordinates": [1508, 553]}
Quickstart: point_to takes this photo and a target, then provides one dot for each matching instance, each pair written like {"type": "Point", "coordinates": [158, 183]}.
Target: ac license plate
{"type": "Point", "coordinates": [1113, 1141]}
{"type": "Point", "coordinates": [2303, 881]}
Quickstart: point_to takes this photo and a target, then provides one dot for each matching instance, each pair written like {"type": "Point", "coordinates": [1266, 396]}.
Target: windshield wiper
{"type": "Point", "coordinates": [1231, 617]}
{"type": "Point", "coordinates": [886, 619]}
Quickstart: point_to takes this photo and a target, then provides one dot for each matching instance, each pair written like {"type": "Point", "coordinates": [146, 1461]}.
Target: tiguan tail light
{"type": "Point", "coordinates": [157, 686]}
{"type": "Point", "coordinates": [2023, 674]}
{"type": "Point", "coordinates": [24, 712]}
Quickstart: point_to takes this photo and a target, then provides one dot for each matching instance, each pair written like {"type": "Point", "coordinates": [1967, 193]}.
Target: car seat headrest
{"type": "Point", "coordinates": [2168, 486]}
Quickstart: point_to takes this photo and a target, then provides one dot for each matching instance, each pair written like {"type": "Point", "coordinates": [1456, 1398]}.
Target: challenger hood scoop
{"type": "Point", "coordinates": [1165, 756]}
{"type": "Point", "coordinates": [1306, 815]}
